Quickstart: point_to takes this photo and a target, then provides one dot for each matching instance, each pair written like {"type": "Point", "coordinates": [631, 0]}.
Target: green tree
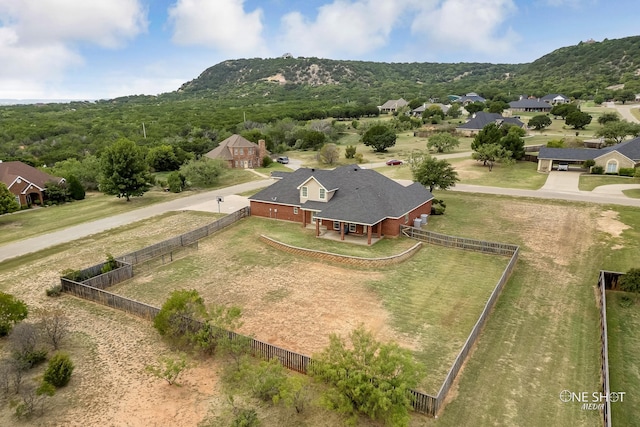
{"type": "Point", "coordinates": [475, 107]}
{"type": "Point", "coordinates": [442, 142]}
{"type": "Point", "coordinates": [490, 134]}
{"type": "Point", "coordinates": [608, 117]}
{"type": "Point", "coordinates": [56, 193]}
{"type": "Point", "coordinates": [615, 132]}
{"type": "Point", "coordinates": [176, 182]}
{"type": "Point", "coordinates": [178, 319]}
{"type": "Point", "coordinates": [578, 119]}
{"type": "Point", "coordinates": [488, 154]}
{"type": "Point", "coordinates": [214, 333]}
{"type": "Point", "coordinates": [498, 106]}
{"type": "Point", "coordinates": [513, 141]}
{"type": "Point", "coordinates": [367, 376]}
{"type": "Point", "coordinates": [329, 154]}
{"type": "Point", "coordinates": [454, 111]}
{"type": "Point", "coordinates": [163, 158]}
{"type": "Point", "coordinates": [625, 95]}
{"type": "Point", "coordinates": [563, 110]}
{"type": "Point", "coordinates": [76, 190]}
{"type": "Point", "coordinates": [630, 282]}
{"type": "Point", "coordinates": [203, 172]}
{"type": "Point", "coordinates": [124, 170]}
{"type": "Point", "coordinates": [59, 370]}
{"type": "Point", "coordinates": [434, 173]}
{"type": "Point", "coordinates": [379, 137]}
{"type": "Point", "coordinates": [350, 151]}
{"type": "Point", "coordinates": [8, 202]}
{"type": "Point", "coordinates": [540, 122]}
{"type": "Point", "coordinates": [12, 311]}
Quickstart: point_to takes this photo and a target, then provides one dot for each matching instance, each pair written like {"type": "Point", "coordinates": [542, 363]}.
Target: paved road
{"type": "Point", "coordinates": [624, 110]}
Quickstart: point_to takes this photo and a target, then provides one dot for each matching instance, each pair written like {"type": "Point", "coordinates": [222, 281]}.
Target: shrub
{"type": "Point", "coordinates": [627, 171]}
{"type": "Point", "coordinates": [597, 170]}
{"type": "Point", "coordinates": [76, 190]}
{"type": "Point", "coordinates": [168, 368]}
{"type": "Point", "coordinates": [630, 282]}
{"type": "Point", "coordinates": [266, 161]}
{"type": "Point", "coordinates": [59, 371]}
{"type": "Point", "coordinates": [588, 163]}
{"type": "Point", "coordinates": [176, 182]}
{"type": "Point", "coordinates": [176, 319]}
{"type": "Point", "coordinates": [359, 158]}
{"type": "Point", "coordinates": [54, 291]}
{"type": "Point", "coordinates": [438, 207]}
{"type": "Point", "coordinates": [12, 311]}
{"type": "Point", "coordinates": [350, 151]}
{"type": "Point", "coordinates": [72, 274]}
{"type": "Point", "coordinates": [110, 264]}
{"type": "Point", "coordinates": [24, 340]}
{"type": "Point", "coordinates": [637, 172]}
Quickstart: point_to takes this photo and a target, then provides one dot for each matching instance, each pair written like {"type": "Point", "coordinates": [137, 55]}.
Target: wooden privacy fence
{"type": "Point", "coordinates": [459, 242]}
{"type": "Point", "coordinates": [186, 239]}
{"type": "Point", "coordinates": [93, 287]}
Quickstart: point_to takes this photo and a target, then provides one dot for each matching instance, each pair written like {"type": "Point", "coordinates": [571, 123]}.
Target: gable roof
{"type": "Point", "coordinates": [629, 149]}
{"type": "Point", "coordinates": [421, 109]}
{"type": "Point", "coordinates": [394, 103]}
{"type": "Point", "coordinates": [20, 176]}
{"type": "Point", "coordinates": [552, 96]}
{"type": "Point", "coordinates": [529, 103]}
{"type": "Point", "coordinates": [471, 97]}
{"type": "Point", "coordinates": [482, 118]}
{"type": "Point", "coordinates": [363, 196]}
{"type": "Point", "coordinates": [224, 150]}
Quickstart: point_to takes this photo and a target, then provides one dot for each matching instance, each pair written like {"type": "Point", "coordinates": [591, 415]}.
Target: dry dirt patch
{"type": "Point", "coordinates": [609, 223]}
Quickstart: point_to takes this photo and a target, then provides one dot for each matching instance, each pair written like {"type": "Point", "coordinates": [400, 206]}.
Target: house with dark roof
{"type": "Point", "coordinates": [623, 155]}
{"type": "Point", "coordinates": [239, 152]}
{"type": "Point", "coordinates": [392, 105]}
{"type": "Point", "coordinates": [470, 98]}
{"type": "Point", "coordinates": [555, 98]}
{"type": "Point", "coordinates": [345, 200]}
{"type": "Point", "coordinates": [26, 182]}
{"type": "Point", "coordinates": [482, 118]}
{"type": "Point", "coordinates": [530, 105]}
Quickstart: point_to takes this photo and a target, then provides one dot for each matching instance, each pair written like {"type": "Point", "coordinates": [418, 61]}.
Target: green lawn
{"type": "Point", "coordinates": [589, 182]}
{"type": "Point", "coordinates": [434, 298]}
{"type": "Point", "coordinates": [623, 327]}
{"type": "Point", "coordinates": [33, 222]}
{"type": "Point", "coordinates": [633, 193]}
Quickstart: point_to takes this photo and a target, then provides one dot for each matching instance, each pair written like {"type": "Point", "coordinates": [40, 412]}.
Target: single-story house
{"type": "Point", "coordinates": [345, 200]}
{"type": "Point", "coordinates": [392, 105]}
{"type": "Point", "coordinates": [417, 112]}
{"type": "Point", "coordinates": [239, 152]}
{"type": "Point", "coordinates": [555, 98]}
{"type": "Point", "coordinates": [530, 105]}
{"type": "Point", "coordinates": [470, 98]}
{"type": "Point", "coordinates": [623, 155]}
{"type": "Point", "coordinates": [482, 118]}
{"type": "Point", "coordinates": [26, 182]}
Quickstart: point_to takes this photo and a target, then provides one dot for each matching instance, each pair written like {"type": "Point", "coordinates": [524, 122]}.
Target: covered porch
{"type": "Point", "coordinates": [362, 234]}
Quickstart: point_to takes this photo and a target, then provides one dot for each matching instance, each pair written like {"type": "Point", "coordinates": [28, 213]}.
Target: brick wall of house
{"type": "Point", "coordinates": [391, 227]}
{"type": "Point", "coordinates": [284, 213]}
{"type": "Point", "coordinates": [249, 154]}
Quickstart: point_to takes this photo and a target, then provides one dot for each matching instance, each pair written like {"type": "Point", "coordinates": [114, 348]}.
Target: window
{"type": "Point", "coordinates": [612, 166]}
{"type": "Point", "coordinates": [313, 216]}
{"type": "Point", "coordinates": [235, 151]}
{"type": "Point", "coordinates": [295, 210]}
{"type": "Point", "coordinates": [336, 225]}
{"type": "Point", "coordinates": [305, 192]}
{"type": "Point", "coordinates": [406, 218]}
{"type": "Point", "coordinates": [322, 194]}
{"type": "Point", "coordinates": [352, 228]}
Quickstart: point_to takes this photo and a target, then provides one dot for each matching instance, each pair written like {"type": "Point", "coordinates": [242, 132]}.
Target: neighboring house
{"type": "Point", "coordinates": [417, 112]}
{"type": "Point", "coordinates": [555, 98]}
{"type": "Point", "coordinates": [482, 118]}
{"type": "Point", "coordinates": [346, 200]}
{"type": "Point", "coordinates": [469, 98]}
{"type": "Point", "coordinates": [392, 105]}
{"type": "Point", "coordinates": [239, 152]}
{"type": "Point", "coordinates": [637, 97]}
{"type": "Point", "coordinates": [530, 105]}
{"type": "Point", "coordinates": [612, 159]}
{"type": "Point", "coordinates": [26, 182]}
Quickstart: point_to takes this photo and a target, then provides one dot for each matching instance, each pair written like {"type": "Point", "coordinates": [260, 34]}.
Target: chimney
{"type": "Point", "coordinates": [262, 150]}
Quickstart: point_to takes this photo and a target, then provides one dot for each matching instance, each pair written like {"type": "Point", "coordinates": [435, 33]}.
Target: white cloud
{"type": "Point", "coordinates": [39, 38]}
{"type": "Point", "coordinates": [219, 24]}
{"type": "Point", "coordinates": [341, 27]}
{"type": "Point", "coordinates": [470, 25]}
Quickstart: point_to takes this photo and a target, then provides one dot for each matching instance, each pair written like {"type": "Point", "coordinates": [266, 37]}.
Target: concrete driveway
{"type": "Point", "coordinates": [562, 181]}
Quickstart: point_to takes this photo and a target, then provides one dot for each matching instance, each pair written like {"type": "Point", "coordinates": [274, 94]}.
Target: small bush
{"type": "Point", "coordinates": [588, 163]}
{"type": "Point", "coordinates": [72, 274]}
{"type": "Point", "coordinates": [637, 172]}
{"type": "Point", "coordinates": [176, 182]}
{"type": "Point", "coordinates": [110, 264]}
{"type": "Point", "coordinates": [630, 282]}
{"type": "Point", "coordinates": [59, 371]}
{"type": "Point", "coordinates": [12, 311]}
{"type": "Point", "coordinates": [350, 151]}
{"type": "Point", "coordinates": [54, 291]}
{"type": "Point", "coordinates": [266, 161]}
{"type": "Point", "coordinates": [359, 158]}
{"type": "Point", "coordinates": [438, 206]}
{"type": "Point", "coordinates": [597, 170]}
{"type": "Point", "coordinates": [627, 171]}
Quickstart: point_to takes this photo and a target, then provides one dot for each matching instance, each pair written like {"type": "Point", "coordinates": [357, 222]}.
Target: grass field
{"type": "Point", "coordinates": [589, 182]}
{"type": "Point", "coordinates": [623, 324]}
{"type": "Point", "coordinates": [633, 193]}
{"type": "Point", "coordinates": [431, 302]}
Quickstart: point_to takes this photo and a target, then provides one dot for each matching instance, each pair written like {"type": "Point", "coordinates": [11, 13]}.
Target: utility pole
{"type": "Point", "coordinates": [144, 131]}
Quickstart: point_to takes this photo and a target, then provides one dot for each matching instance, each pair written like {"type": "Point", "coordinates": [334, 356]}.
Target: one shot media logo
{"type": "Point", "coordinates": [591, 401]}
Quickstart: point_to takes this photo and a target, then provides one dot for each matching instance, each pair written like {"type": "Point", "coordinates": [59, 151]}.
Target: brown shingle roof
{"type": "Point", "coordinates": [12, 172]}
{"type": "Point", "coordinates": [223, 151]}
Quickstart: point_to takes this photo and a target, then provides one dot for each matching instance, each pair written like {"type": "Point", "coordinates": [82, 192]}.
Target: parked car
{"type": "Point", "coordinates": [394, 162]}
{"type": "Point", "coordinates": [563, 166]}
{"type": "Point", "coordinates": [283, 159]}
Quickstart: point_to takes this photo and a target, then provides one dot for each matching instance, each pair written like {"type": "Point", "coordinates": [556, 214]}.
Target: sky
{"type": "Point", "coordinates": [102, 49]}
